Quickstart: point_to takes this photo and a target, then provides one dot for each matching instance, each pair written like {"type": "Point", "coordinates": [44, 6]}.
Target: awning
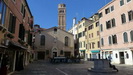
{"type": "Point", "coordinates": [82, 50]}
{"type": "Point", "coordinates": [16, 45]}
{"type": "Point", "coordinates": [1, 46]}
{"type": "Point", "coordinates": [95, 51]}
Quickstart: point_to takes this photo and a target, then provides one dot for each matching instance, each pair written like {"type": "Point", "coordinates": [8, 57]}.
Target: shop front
{"type": "Point", "coordinates": [95, 54]}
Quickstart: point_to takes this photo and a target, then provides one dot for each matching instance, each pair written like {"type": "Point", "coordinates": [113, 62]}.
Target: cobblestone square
{"type": "Point", "coordinates": [46, 68]}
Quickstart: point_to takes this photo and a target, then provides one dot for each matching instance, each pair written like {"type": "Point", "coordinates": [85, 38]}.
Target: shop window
{"type": "Point", "coordinates": [116, 55]}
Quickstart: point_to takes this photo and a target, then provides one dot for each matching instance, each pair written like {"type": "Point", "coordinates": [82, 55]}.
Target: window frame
{"type": "Point", "coordinates": [123, 18]}
{"type": "Point", "coordinates": [125, 37]}
{"type": "Point", "coordinates": [121, 2]}
{"type": "Point", "coordinates": [42, 40]}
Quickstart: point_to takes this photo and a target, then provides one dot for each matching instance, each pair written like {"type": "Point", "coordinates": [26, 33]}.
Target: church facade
{"type": "Point", "coordinates": [53, 42]}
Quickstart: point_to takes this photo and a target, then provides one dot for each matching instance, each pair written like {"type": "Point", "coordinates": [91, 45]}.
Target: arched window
{"type": "Point", "coordinates": [66, 41]}
{"type": "Point", "coordinates": [125, 37]}
{"type": "Point", "coordinates": [42, 40]}
{"type": "Point", "coordinates": [116, 55]}
{"type": "Point", "coordinates": [101, 28]}
{"type": "Point", "coordinates": [109, 39]}
{"type": "Point", "coordinates": [131, 35]}
{"type": "Point", "coordinates": [114, 39]}
{"type": "Point", "coordinates": [102, 42]}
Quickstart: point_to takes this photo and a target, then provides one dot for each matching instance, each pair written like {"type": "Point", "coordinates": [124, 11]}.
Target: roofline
{"type": "Point", "coordinates": [57, 28]}
{"type": "Point", "coordinates": [106, 5]}
{"type": "Point", "coordinates": [28, 8]}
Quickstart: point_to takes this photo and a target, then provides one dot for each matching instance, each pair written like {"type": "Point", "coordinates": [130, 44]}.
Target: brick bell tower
{"type": "Point", "coordinates": [62, 16]}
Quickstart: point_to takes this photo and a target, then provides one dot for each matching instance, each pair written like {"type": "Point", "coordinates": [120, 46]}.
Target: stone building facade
{"type": "Point", "coordinates": [16, 22]}
{"type": "Point", "coordinates": [117, 31]}
{"type": "Point", "coordinates": [53, 42]}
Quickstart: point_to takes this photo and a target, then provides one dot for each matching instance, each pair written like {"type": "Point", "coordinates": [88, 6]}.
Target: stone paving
{"type": "Point", "coordinates": [46, 68]}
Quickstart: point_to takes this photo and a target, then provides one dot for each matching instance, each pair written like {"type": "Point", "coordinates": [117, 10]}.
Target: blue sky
{"type": "Point", "coordinates": [45, 12]}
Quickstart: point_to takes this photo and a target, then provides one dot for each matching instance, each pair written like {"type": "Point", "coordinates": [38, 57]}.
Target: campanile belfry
{"type": "Point", "coordinates": [62, 16]}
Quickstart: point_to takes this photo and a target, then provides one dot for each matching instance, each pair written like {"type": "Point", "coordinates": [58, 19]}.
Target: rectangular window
{"type": "Point", "coordinates": [90, 27]}
{"type": "Point", "coordinates": [12, 23]}
{"type": "Point", "coordinates": [130, 15]}
{"type": "Point", "coordinates": [80, 35]}
{"type": "Point", "coordinates": [90, 45]}
{"type": "Point", "coordinates": [123, 18]}
{"type": "Point", "coordinates": [121, 2]}
{"type": "Point", "coordinates": [113, 22]}
{"type": "Point", "coordinates": [89, 36]}
{"type": "Point", "coordinates": [114, 39]}
{"type": "Point", "coordinates": [21, 32]}
{"type": "Point", "coordinates": [81, 44]}
{"type": "Point", "coordinates": [93, 45]}
{"type": "Point", "coordinates": [97, 33]}
{"type": "Point", "coordinates": [128, 0]}
{"type": "Point", "coordinates": [92, 34]}
{"type": "Point", "coordinates": [108, 24]}
{"type": "Point", "coordinates": [23, 10]}
{"type": "Point", "coordinates": [84, 43]}
{"type": "Point", "coordinates": [97, 24]}
{"type": "Point", "coordinates": [98, 44]}
{"type": "Point", "coordinates": [100, 15]}
{"type": "Point", "coordinates": [2, 12]}
{"type": "Point", "coordinates": [101, 28]}
{"type": "Point", "coordinates": [107, 11]}
{"type": "Point", "coordinates": [83, 33]}
{"type": "Point", "coordinates": [112, 8]}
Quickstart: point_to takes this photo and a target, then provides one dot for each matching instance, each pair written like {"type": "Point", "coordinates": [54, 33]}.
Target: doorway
{"type": "Point", "coordinates": [54, 54]}
{"type": "Point", "coordinates": [122, 60]}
